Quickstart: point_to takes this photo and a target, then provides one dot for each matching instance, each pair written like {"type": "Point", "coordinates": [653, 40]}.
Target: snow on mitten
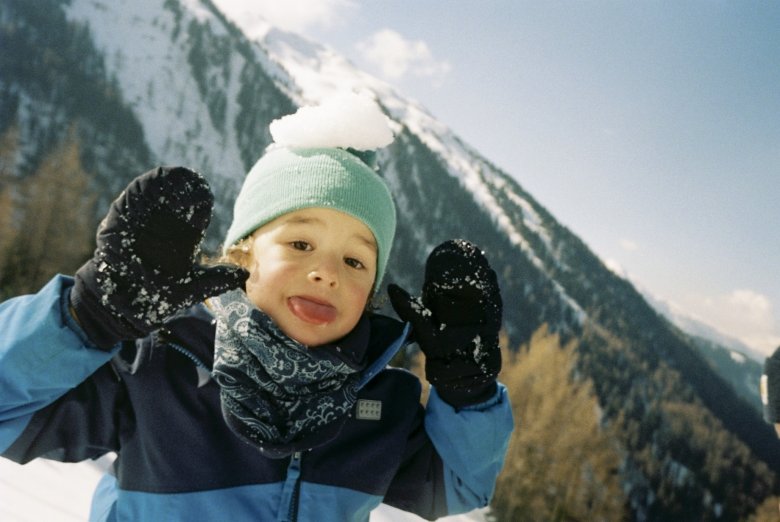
{"type": "Point", "coordinates": [456, 322]}
{"type": "Point", "coordinates": [144, 268]}
{"type": "Point", "coordinates": [770, 388]}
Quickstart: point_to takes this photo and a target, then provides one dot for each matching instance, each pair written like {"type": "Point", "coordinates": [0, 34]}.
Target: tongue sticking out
{"type": "Point", "coordinates": [310, 311]}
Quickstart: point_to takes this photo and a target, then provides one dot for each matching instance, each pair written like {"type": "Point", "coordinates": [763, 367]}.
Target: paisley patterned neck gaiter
{"type": "Point", "coordinates": [276, 393]}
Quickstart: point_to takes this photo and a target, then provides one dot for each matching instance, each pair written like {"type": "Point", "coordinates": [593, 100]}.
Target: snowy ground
{"type": "Point", "coordinates": [46, 490]}
{"type": "Point", "coordinates": [56, 492]}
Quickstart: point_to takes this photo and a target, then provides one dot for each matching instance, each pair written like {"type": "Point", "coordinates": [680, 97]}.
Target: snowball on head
{"type": "Point", "coordinates": [347, 120]}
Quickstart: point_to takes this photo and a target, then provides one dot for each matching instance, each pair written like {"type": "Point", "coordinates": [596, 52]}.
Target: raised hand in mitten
{"type": "Point", "coordinates": [770, 390]}
{"type": "Point", "coordinates": [456, 322]}
{"type": "Point", "coordinates": [144, 268]}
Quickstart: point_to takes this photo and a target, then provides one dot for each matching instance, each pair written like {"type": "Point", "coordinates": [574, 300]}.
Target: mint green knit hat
{"type": "Point", "coordinates": [317, 160]}
{"type": "Point", "coordinates": [288, 179]}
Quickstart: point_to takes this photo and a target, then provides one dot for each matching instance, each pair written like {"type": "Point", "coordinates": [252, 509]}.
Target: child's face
{"type": "Point", "coordinates": [312, 272]}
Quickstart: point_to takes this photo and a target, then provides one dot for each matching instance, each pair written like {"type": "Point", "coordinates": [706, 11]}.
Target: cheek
{"type": "Point", "coordinates": [254, 273]}
{"type": "Point", "coordinates": [268, 279]}
{"type": "Point", "coordinates": [358, 296]}
{"type": "Point", "coordinates": [259, 286]}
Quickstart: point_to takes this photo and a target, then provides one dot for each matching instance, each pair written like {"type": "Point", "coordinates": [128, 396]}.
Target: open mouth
{"type": "Point", "coordinates": [311, 310]}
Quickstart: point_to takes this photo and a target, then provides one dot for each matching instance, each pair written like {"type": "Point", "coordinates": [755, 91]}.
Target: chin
{"type": "Point", "coordinates": [314, 339]}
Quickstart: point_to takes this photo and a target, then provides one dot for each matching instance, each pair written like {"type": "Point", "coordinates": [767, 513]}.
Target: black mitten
{"type": "Point", "coordinates": [456, 322]}
{"type": "Point", "coordinates": [770, 388]}
{"type": "Point", "coordinates": [144, 268]}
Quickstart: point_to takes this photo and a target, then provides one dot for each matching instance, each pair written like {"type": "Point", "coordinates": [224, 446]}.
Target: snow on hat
{"type": "Point", "coordinates": [315, 161]}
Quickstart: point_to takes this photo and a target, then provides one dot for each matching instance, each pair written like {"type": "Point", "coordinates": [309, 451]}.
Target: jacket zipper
{"type": "Point", "coordinates": [291, 490]}
{"type": "Point", "coordinates": [203, 371]}
{"type": "Point", "coordinates": [292, 484]}
{"type": "Point", "coordinates": [182, 350]}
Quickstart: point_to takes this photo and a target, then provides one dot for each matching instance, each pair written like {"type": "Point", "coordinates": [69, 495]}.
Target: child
{"type": "Point", "coordinates": [286, 410]}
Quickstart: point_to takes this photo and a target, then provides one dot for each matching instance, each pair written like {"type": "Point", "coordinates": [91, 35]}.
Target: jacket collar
{"type": "Point", "coordinates": [193, 330]}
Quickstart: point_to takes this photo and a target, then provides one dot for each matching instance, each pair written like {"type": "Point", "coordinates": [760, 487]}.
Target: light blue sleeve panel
{"type": "Point", "coordinates": [43, 354]}
{"type": "Point", "coordinates": [472, 443]}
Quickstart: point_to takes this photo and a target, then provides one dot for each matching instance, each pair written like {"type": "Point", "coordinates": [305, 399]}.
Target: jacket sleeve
{"type": "Point", "coordinates": [56, 390]}
{"type": "Point", "coordinates": [453, 457]}
{"type": "Point", "coordinates": [472, 443]}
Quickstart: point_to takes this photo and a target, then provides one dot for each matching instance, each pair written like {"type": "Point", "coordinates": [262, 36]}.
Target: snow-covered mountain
{"type": "Point", "coordinates": [693, 326]}
{"type": "Point", "coordinates": [736, 362]}
{"type": "Point", "coordinates": [148, 82]}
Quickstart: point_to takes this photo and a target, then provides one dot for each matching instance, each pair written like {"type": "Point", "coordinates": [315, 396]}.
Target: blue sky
{"type": "Point", "coordinates": [650, 129]}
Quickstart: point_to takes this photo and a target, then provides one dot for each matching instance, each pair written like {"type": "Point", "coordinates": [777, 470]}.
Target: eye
{"type": "Point", "coordinates": [300, 245]}
{"type": "Point", "coordinates": [354, 263]}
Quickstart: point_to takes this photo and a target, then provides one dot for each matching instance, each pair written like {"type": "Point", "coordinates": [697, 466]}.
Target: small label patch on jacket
{"type": "Point", "coordinates": [368, 409]}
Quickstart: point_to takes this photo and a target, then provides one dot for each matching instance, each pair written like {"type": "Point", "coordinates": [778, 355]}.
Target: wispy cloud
{"type": "Point", "coordinates": [744, 314]}
{"type": "Point", "coordinates": [396, 56]}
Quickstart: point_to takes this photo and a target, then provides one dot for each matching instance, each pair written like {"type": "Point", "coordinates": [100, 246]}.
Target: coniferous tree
{"type": "Point", "coordinates": [52, 222]}
{"type": "Point", "coordinates": [562, 464]}
{"type": "Point", "coordinates": [769, 511]}
{"type": "Point", "coordinates": [9, 145]}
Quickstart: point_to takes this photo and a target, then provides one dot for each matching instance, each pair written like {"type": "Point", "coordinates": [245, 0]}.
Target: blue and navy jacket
{"type": "Point", "coordinates": [61, 398]}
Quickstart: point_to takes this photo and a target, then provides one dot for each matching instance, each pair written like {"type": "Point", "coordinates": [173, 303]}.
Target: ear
{"type": "Point", "coordinates": [240, 253]}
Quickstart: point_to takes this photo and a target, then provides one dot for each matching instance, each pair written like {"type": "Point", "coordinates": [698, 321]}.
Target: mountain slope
{"type": "Point", "coordinates": [743, 373]}
{"type": "Point", "coordinates": [738, 364]}
{"type": "Point", "coordinates": [174, 82]}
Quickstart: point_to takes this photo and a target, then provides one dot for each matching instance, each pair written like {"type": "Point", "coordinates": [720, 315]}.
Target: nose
{"type": "Point", "coordinates": [325, 272]}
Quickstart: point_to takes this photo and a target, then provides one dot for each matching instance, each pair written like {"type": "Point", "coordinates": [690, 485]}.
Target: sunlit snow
{"type": "Point", "coordinates": [737, 357]}
{"type": "Point", "coordinates": [45, 490]}
{"type": "Point", "coordinates": [159, 85]}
